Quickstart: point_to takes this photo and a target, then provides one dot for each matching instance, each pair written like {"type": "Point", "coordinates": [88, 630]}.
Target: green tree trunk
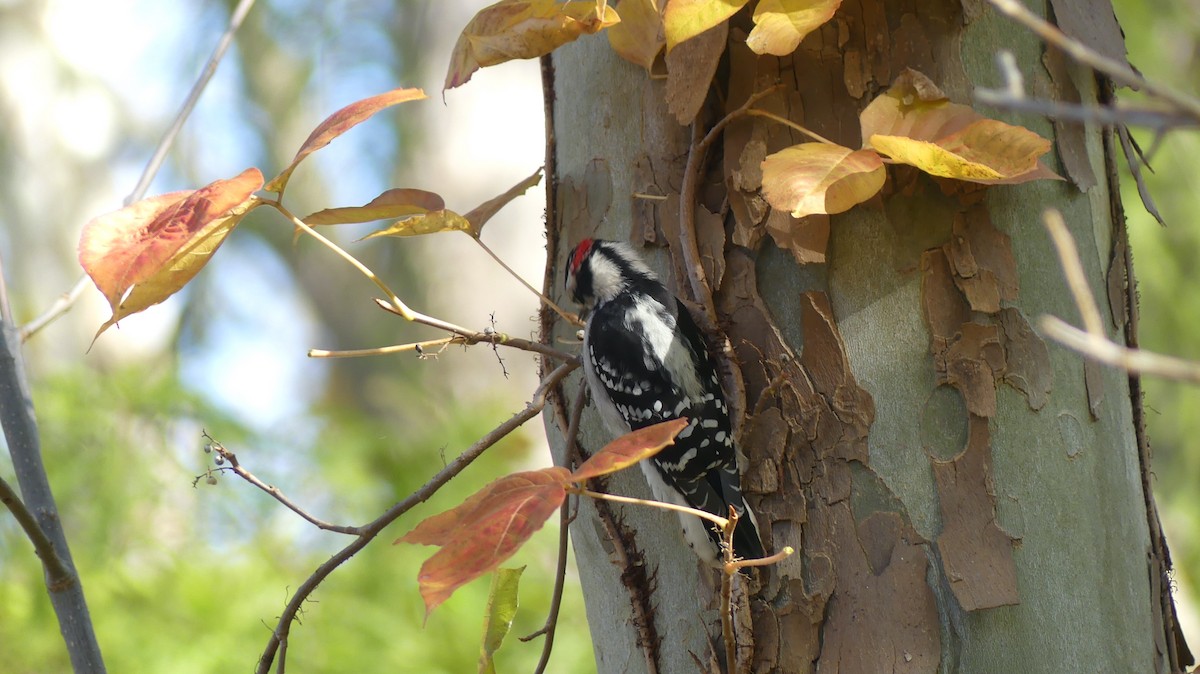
{"type": "Point", "coordinates": [962, 495]}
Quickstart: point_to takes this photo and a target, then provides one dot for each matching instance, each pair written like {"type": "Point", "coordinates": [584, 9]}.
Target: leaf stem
{"type": "Point", "coordinates": [703, 514]}
{"type": "Point", "coordinates": [789, 123]}
{"type": "Point", "coordinates": [567, 316]}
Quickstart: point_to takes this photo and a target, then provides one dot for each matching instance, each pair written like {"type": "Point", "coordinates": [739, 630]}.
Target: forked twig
{"type": "Point", "coordinates": [238, 469]}
{"type": "Point", "coordinates": [369, 531]}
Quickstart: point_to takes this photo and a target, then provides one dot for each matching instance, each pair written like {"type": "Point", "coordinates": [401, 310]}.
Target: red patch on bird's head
{"type": "Point", "coordinates": [581, 251]}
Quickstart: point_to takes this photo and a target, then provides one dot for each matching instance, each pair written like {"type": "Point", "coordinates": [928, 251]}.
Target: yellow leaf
{"type": "Point", "coordinates": [914, 123]}
{"type": "Point", "coordinates": [820, 178]}
{"type": "Point", "coordinates": [639, 37]}
{"type": "Point", "coordinates": [685, 19]}
{"type": "Point", "coordinates": [395, 203]}
{"type": "Point", "coordinates": [428, 223]}
{"type": "Point", "coordinates": [780, 25]}
{"type": "Point", "coordinates": [522, 29]}
{"type": "Point", "coordinates": [932, 158]}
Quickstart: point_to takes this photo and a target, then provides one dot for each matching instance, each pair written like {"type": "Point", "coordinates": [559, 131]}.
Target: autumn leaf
{"type": "Point", "coordinates": [394, 203]}
{"type": "Point", "coordinates": [522, 29]}
{"type": "Point", "coordinates": [685, 19]}
{"type": "Point", "coordinates": [444, 220]}
{"type": "Point", "coordinates": [501, 609]}
{"type": "Point", "coordinates": [485, 530]}
{"type": "Point", "coordinates": [479, 215]}
{"type": "Point", "coordinates": [629, 449]}
{"type": "Point", "coordinates": [820, 178]}
{"type": "Point", "coordinates": [146, 252]}
{"type": "Point", "coordinates": [914, 123]}
{"type": "Point", "coordinates": [780, 25]}
{"type": "Point", "coordinates": [340, 122]}
{"type": "Point", "coordinates": [426, 223]}
{"type": "Point", "coordinates": [639, 37]}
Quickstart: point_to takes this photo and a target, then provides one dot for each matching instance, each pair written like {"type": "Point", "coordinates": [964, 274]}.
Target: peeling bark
{"type": "Point", "coordinates": [943, 521]}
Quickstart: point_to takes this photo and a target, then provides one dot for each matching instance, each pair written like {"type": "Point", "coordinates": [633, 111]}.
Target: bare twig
{"type": "Point", "coordinates": [368, 532]}
{"type": "Point", "coordinates": [470, 338]}
{"type": "Point", "coordinates": [1068, 256]}
{"type": "Point", "coordinates": [727, 594]}
{"type": "Point", "coordinates": [67, 300]}
{"type": "Point", "coordinates": [1092, 341]}
{"type": "Point", "coordinates": [703, 514]}
{"type": "Point", "coordinates": [1138, 361]}
{"type": "Point", "coordinates": [57, 573]}
{"type": "Point", "coordinates": [1149, 117]}
{"type": "Point", "coordinates": [1120, 73]}
{"type": "Point", "coordinates": [783, 554]}
{"type": "Point", "coordinates": [566, 315]}
{"type": "Point", "coordinates": [238, 469]}
{"type": "Point", "coordinates": [572, 457]}
{"type": "Point", "coordinates": [790, 124]}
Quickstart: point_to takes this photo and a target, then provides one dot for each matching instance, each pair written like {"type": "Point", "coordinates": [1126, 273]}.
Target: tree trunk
{"type": "Point", "coordinates": [962, 496]}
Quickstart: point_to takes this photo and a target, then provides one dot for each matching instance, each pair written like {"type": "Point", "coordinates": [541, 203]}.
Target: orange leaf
{"type": "Point", "coordinates": [685, 19]}
{"type": "Point", "coordinates": [819, 178]}
{"type": "Point", "coordinates": [485, 530]}
{"type": "Point", "coordinates": [340, 122]}
{"type": "Point", "coordinates": [144, 253]}
{"type": "Point", "coordinates": [522, 29]}
{"type": "Point", "coordinates": [914, 123]}
{"type": "Point", "coordinates": [780, 25]}
{"type": "Point", "coordinates": [639, 37]}
{"type": "Point", "coordinates": [394, 203]}
{"type": "Point", "coordinates": [629, 449]}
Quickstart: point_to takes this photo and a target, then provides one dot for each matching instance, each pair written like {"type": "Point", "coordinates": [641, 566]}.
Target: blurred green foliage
{"type": "Point", "coordinates": [182, 576]}
{"type": "Point", "coordinates": [188, 579]}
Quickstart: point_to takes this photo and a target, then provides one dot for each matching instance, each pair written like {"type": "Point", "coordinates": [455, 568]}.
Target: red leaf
{"type": "Point", "coordinates": [340, 122]}
{"type": "Point", "coordinates": [629, 449]}
{"type": "Point", "coordinates": [485, 530]}
{"type": "Point", "coordinates": [146, 252]}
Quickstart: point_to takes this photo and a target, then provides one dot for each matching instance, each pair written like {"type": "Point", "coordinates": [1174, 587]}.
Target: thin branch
{"type": "Point", "coordinates": [1068, 256]}
{"type": "Point", "coordinates": [236, 467]}
{"type": "Point", "coordinates": [24, 447]}
{"type": "Point", "coordinates": [560, 581]}
{"type": "Point", "coordinates": [566, 315]}
{"type": "Point", "coordinates": [369, 531]}
{"type": "Point", "coordinates": [727, 594]}
{"type": "Point", "coordinates": [1092, 342]}
{"type": "Point", "coordinates": [67, 300]}
{"type": "Point", "coordinates": [400, 307]}
{"type": "Point", "coordinates": [702, 514]}
{"type": "Point", "coordinates": [56, 310]}
{"type": "Point", "coordinates": [783, 554]}
{"type": "Point", "coordinates": [789, 123]}
{"type": "Point", "coordinates": [1149, 117]}
{"type": "Point", "coordinates": [57, 574]}
{"type": "Point", "coordinates": [698, 148]}
{"type": "Point", "coordinates": [1120, 72]}
{"type": "Point", "coordinates": [1137, 361]}
{"type": "Point", "coordinates": [462, 336]}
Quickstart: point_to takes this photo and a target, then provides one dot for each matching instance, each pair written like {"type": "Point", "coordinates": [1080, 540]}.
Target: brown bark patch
{"type": "Point", "coordinates": [976, 553]}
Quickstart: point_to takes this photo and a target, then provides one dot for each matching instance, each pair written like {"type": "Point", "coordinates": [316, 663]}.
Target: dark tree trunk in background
{"type": "Point", "coordinates": [962, 495]}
